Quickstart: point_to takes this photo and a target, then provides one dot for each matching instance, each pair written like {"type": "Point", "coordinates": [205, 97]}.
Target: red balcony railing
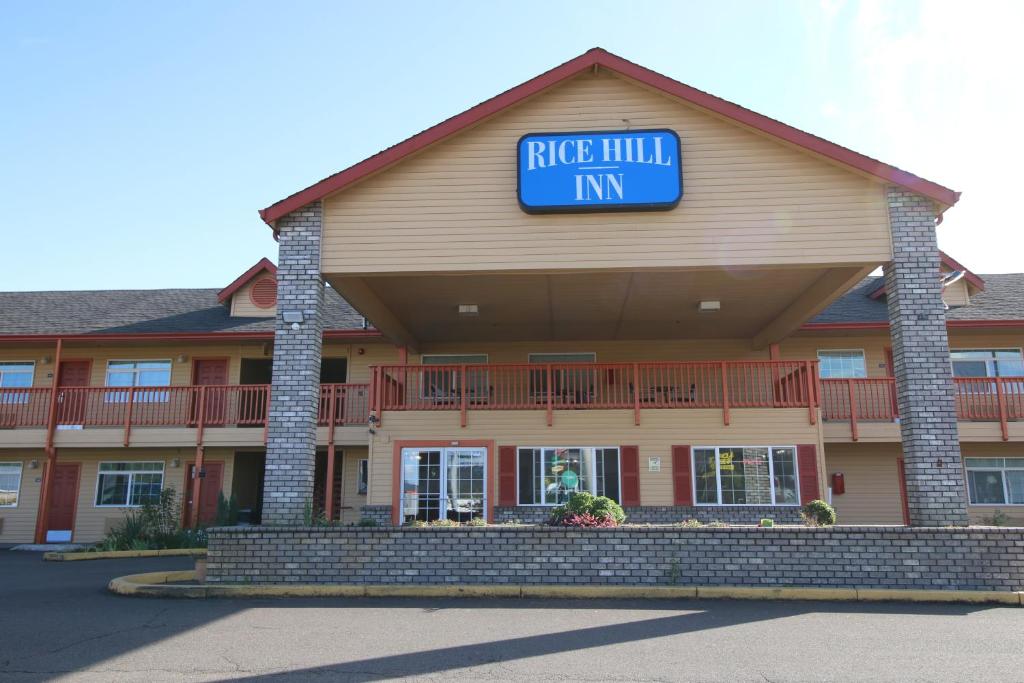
{"type": "Point", "coordinates": [24, 407]}
{"type": "Point", "coordinates": [198, 407]}
{"type": "Point", "coordinates": [567, 386]}
{"type": "Point", "coordinates": [986, 399]}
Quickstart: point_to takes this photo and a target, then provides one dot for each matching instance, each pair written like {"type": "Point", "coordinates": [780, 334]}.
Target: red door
{"type": "Point", "coordinates": [212, 372]}
{"type": "Point", "coordinates": [63, 499]}
{"type": "Point", "coordinates": [209, 488]}
{"type": "Point", "coordinates": [71, 405]}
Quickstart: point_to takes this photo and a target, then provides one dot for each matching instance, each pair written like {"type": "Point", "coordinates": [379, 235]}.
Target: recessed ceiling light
{"type": "Point", "coordinates": [469, 309]}
{"type": "Point", "coordinates": [709, 306]}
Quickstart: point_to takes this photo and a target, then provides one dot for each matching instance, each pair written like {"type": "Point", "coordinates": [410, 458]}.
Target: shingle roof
{"type": "Point", "coordinates": [1003, 299]}
{"type": "Point", "coordinates": [141, 311]}
{"type": "Point", "coordinates": [138, 311]}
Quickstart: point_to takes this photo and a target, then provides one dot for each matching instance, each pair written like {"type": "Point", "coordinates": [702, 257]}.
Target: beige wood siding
{"type": "Point", "coordinates": [748, 199]}
{"type": "Point", "coordinates": [351, 500]}
{"type": "Point", "coordinates": [242, 305]}
{"type": "Point", "coordinates": [956, 294]}
{"type": "Point", "coordinates": [18, 524]}
{"type": "Point", "coordinates": [658, 432]}
{"type": "Point", "coordinates": [873, 493]}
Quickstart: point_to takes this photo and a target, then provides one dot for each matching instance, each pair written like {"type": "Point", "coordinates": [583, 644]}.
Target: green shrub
{"type": "Point", "coordinates": [153, 526]}
{"type": "Point", "coordinates": [818, 513]}
{"type": "Point", "coordinates": [767, 523]}
{"type": "Point", "coordinates": [690, 524]}
{"type": "Point", "coordinates": [477, 521]}
{"type": "Point", "coordinates": [998, 518]}
{"type": "Point", "coordinates": [582, 504]}
{"type": "Point", "coordinates": [227, 510]}
{"type": "Point", "coordinates": [366, 521]}
{"type": "Point", "coordinates": [444, 522]}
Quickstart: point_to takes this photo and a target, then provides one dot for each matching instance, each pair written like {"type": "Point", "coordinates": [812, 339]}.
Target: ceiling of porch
{"type": "Point", "coordinates": [595, 305]}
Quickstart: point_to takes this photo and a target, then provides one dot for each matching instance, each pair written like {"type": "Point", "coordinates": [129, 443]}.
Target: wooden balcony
{"type": "Point", "coordinates": [723, 385]}
{"type": "Point", "coordinates": [194, 407]}
{"type": "Point", "coordinates": [978, 399]}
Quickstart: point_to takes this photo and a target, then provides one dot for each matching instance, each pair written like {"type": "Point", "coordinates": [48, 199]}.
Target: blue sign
{"type": "Point", "coordinates": [629, 170]}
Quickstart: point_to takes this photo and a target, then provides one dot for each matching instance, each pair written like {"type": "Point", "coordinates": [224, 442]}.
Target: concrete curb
{"type": "Point", "coordinates": [155, 585]}
{"type": "Point", "coordinates": [123, 554]}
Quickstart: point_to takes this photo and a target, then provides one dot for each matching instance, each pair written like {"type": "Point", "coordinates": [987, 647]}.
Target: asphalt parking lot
{"type": "Point", "coordinates": [58, 622]}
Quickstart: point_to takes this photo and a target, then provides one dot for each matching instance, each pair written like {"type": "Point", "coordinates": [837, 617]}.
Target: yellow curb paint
{"type": "Point", "coordinates": [775, 593]}
{"type": "Point", "coordinates": [123, 554]}
{"type": "Point", "coordinates": [886, 594]}
{"type": "Point", "coordinates": [155, 584]}
{"type": "Point", "coordinates": [640, 592]}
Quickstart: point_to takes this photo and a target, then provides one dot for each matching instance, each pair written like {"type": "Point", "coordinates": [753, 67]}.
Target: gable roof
{"type": "Point", "coordinates": [264, 264]}
{"type": "Point", "coordinates": [594, 58]}
{"type": "Point", "coordinates": [147, 312]}
{"type": "Point", "coordinates": [945, 259]}
{"type": "Point", "coordinates": [1001, 301]}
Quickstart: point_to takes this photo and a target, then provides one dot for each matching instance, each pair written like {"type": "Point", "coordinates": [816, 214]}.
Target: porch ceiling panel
{"type": "Point", "coordinates": [582, 306]}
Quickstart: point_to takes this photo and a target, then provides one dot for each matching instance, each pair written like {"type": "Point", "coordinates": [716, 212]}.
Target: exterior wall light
{"type": "Point", "coordinates": [469, 309]}
{"type": "Point", "coordinates": [709, 306]}
{"type": "Point", "coordinates": [182, 358]}
{"type": "Point", "coordinates": [293, 317]}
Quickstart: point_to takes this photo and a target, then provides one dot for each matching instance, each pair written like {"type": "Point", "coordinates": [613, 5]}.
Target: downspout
{"type": "Point", "coordinates": [42, 515]}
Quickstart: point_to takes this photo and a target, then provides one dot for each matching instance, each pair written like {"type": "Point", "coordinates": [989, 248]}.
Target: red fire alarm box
{"type": "Point", "coordinates": [838, 484]}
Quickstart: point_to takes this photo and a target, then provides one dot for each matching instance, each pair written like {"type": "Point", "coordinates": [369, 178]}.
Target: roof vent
{"type": "Point", "coordinates": [263, 292]}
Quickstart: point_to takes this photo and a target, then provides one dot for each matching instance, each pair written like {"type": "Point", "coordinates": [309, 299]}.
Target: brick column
{"type": "Point", "coordinates": [295, 391]}
{"type": "Point", "coordinates": [924, 380]}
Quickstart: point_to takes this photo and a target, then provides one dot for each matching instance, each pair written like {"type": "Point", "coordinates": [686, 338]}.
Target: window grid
{"type": "Point", "coordinates": [987, 362]}
{"type": "Point", "coordinates": [783, 487]}
{"type": "Point", "coordinates": [10, 484]}
{"type": "Point", "coordinates": [842, 364]}
{"type": "Point", "coordinates": [995, 481]}
{"type": "Point", "coordinates": [596, 468]}
{"type": "Point", "coordinates": [128, 484]}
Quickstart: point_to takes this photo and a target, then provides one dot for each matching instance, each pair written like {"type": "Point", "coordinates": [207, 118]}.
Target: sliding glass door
{"type": "Point", "coordinates": [443, 483]}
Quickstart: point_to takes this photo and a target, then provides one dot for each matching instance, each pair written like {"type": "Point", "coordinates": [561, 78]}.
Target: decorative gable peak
{"type": "Point", "coordinates": [254, 293]}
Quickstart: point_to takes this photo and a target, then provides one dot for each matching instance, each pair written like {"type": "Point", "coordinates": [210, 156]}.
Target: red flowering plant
{"type": "Point", "coordinates": [585, 510]}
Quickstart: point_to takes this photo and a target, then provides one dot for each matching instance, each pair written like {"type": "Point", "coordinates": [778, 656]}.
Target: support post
{"type": "Point", "coordinates": [1001, 398]}
{"type": "Point", "coordinates": [128, 417]}
{"type": "Point", "coordinates": [724, 369]}
{"type": "Point", "coordinates": [43, 511]}
{"type": "Point", "coordinates": [332, 391]}
{"type": "Point", "coordinates": [197, 481]}
{"type": "Point", "coordinates": [636, 393]}
{"type": "Point", "coordinates": [295, 391]}
{"type": "Point", "coordinates": [924, 381]}
{"type": "Point", "coordinates": [853, 409]}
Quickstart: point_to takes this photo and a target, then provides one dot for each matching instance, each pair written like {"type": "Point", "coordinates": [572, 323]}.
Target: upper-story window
{"type": "Point", "coordinates": [842, 363]}
{"type": "Point", "coordinates": [444, 385]}
{"type": "Point", "coordinates": [15, 375]}
{"type": "Point", "coordinates": [987, 362]}
{"type": "Point", "coordinates": [138, 373]}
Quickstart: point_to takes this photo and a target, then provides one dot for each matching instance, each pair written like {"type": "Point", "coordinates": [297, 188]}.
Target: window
{"type": "Point", "coordinates": [10, 484]}
{"type": "Point", "coordinates": [548, 475]}
{"type": "Point", "coordinates": [15, 376]}
{"type": "Point", "coordinates": [443, 483]}
{"type": "Point", "coordinates": [995, 481]}
{"type": "Point", "coordinates": [987, 362]}
{"type": "Point", "coordinates": [842, 364]}
{"type": "Point", "coordinates": [138, 373]}
{"type": "Point", "coordinates": [568, 384]}
{"type": "Point", "coordinates": [128, 484]}
{"type": "Point", "coordinates": [745, 475]}
{"type": "Point", "coordinates": [444, 385]}
{"type": "Point", "coordinates": [362, 476]}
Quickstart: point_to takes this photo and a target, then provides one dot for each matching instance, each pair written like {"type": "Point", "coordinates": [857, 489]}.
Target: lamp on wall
{"type": "Point", "coordinates": [182, 358]}
{"type": "Point", "coordinates": [33, 464]}
{"type": "Point", "coordinates": [45, 360]}
{"type": "Point", "coordinates": [175, 463]}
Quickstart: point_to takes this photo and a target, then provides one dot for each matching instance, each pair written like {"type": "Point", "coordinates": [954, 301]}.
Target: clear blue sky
{"type": "Point", "coordinates": [138, 140]}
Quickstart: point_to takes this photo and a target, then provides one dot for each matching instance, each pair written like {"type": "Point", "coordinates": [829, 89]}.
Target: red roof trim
{"type": "Point", "coordinates": [813, 327]}
{"type": "Point", "coordinates": [179, 336]}
{"type": "Point", "coordinates": [949, 262]}
{"type": "Point", "coordinates": [599, 57]}
{"type": "Point", "coordinates": [263, 264]}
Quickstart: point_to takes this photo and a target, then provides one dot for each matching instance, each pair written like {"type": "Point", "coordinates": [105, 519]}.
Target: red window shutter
{"type": "Point", "coordinates": [507, 476]}
{"type": "Point", "coordinates": [682, 478]}
{"type": "Point", "coordinates": [807, 463]}
{"type": "Point", "coordinates": [629, 470]}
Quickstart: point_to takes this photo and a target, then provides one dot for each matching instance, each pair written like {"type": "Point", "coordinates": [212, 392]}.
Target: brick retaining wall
{"type": "Point", "coordinates": [854, 557]}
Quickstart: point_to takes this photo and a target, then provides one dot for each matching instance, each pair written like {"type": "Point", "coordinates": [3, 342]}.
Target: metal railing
{"type": "Point", "coordinates": [571, 386]}
{"type": "Point", "coordinates": [982, 399]}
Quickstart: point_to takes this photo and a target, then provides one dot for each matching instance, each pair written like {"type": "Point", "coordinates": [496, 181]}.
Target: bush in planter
{"type": "Point", "coordinates": [583, 503]}
{"type": "Point", "coordinates": [477, 521]}
{"type": "Point", "coordinates": [366, 521]}
{"type": "Point", "coordinates": [587, 520]}
{"type": "Point", "coordinates": [818, 513]}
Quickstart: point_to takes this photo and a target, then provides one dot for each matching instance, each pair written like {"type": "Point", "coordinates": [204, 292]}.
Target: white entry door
{"type": "Point", "coordinates": [443, 483]}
